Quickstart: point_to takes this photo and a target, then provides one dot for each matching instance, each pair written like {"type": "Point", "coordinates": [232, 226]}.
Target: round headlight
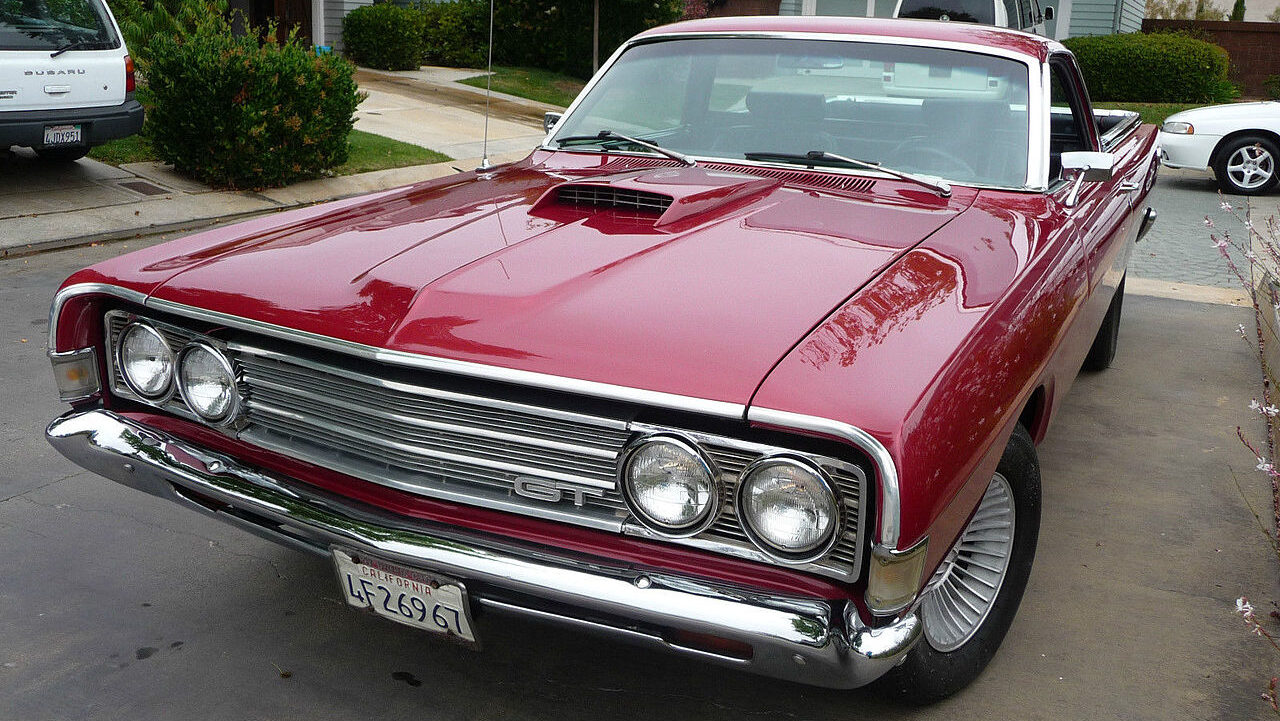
{"type": "Point", "coordinates": [788, 508]}
{"type": "Point", "coordinates": [206, 381]}
{"type": "Point", "coordinates": [670, 486]}
{"type": "Point", "coordinates": [145, 361]}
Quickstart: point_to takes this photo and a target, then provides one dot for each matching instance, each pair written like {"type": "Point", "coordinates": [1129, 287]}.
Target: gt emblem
{"type": "Point", "coordinates": [553, 491]}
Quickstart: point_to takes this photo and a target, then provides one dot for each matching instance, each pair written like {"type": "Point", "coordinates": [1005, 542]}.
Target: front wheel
{"type": "Point", "coordinates": [975, 592]}
{"type": "Point", "coordinates": [1247, 165]}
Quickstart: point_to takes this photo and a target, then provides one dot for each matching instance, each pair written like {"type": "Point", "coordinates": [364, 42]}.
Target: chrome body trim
{"type": "Point", "coordinates": [889, 496]}
{"type": "Point", "coordinates": [62, 296]}
{"type": "Point", "coordinates": [1148, 219]}
{"type": "Point", "coordinates": [1037, 94]}
{"type": "Point", "coordinates": [808, 640]}
{"type": "Point", "coordinates": [595, 389]}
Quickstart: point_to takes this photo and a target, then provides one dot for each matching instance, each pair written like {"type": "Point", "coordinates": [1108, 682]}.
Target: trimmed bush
{"type": "Point", "coordinates": [384, 36]}
{"type": "Point", "coordinates": [456, 33]}
{"type": "Point", "coordinates": [236, 112]}
{"type": "Point", "coordinates": [1272, 86]}
{"type": "Point", "coordinates": [1155, 68]}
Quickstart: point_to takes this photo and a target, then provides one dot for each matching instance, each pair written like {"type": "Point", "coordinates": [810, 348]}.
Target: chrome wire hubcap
{"type": "Point", "coordinates": [1250, 167]}
{"type": "Point", "coordinates": [965, 586]}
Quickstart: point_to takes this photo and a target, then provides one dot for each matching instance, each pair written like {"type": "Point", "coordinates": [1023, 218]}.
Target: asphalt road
{"type": "Point", "coordinates": [117, 605]}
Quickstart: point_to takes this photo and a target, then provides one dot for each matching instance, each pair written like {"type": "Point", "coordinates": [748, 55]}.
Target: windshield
{"type": "Point", "coordinates": [953, 114]}
{"type": "Point", "coordinates": [53, 24]}
{"type": "Point", "coordinates": [967, 11]}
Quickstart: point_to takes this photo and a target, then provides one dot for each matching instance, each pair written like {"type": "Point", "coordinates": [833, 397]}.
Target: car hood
{"type": "Point", "coordinates": [566, 270]}
{"type": "Point", "coordinates": [1249, 113]}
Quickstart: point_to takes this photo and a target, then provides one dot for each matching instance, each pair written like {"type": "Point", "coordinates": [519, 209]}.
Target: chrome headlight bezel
{"type": "Point", "coordinates": [715, 500]}
{"type": "Point", "coordinates": [233, 409]}
{"type": "Point", "coordinates": [782, 555]}
{"type": "Point", "coordinates": [164, 393]}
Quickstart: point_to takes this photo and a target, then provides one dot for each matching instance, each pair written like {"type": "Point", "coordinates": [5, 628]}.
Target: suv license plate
{"type": "Point", "coordinates": [415, 598]}
{"type": "Point", "coordinates": [62, 134]}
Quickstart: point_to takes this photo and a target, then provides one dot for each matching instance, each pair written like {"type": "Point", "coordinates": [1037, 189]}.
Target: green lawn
{"type": "Point", "coordinates": [370, 152]}
{"type": "Point", "coordinates": [532, 83]}
{"type": "Point", "coordinates": [1154, 113]}
{"type": "Point", "coordinates": [367, 152]}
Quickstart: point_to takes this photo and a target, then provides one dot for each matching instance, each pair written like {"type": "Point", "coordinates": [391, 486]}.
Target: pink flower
{"type": "Point", "coordinates": [1208, 222]}
{"type": "Point", "coordinates": [1226, 206]}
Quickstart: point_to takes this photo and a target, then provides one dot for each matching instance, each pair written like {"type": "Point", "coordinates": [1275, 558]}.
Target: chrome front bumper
{"type": "Point", "coordinates": [810, 641]}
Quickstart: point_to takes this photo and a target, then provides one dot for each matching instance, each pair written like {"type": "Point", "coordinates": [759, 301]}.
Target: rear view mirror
{"type": "Point", "coordinates": [549, 121]}
{"type": "Point", "coordinates": [1048, 13]}
{"type": "Point", "coordinates": [1089, 167]}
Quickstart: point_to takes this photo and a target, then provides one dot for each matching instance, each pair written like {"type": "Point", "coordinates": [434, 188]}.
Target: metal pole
{"type": "Point", "coordinates": [595, 37]}
{"type": "Point", "coordinates": [484, 153]}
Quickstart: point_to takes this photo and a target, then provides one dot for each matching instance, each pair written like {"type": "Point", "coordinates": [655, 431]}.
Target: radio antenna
{"type": "Point", "coordinates": [488, 82]}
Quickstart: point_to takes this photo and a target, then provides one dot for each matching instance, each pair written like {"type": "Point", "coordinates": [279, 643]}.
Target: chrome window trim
{"type": "Point", "coordinates": [889, 498]}
{"type": "Point", "coordinates": [1037, 96]}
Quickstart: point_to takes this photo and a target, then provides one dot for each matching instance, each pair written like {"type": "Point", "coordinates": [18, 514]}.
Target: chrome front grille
{"type": "Point", "coordinates": [372, 424]}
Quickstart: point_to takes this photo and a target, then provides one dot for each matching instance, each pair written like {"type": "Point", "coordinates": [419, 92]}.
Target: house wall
{"type": "Point", "coordinates": [748, 7]}
{"type": "Point", "coordinates": [1252, 47]}
{"type": "Point", "coordinates": [334, 11]}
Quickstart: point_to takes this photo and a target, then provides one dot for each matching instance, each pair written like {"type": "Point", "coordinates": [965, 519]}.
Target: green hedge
{"type": "Point", "coordinates": [456, 33]}
{"type": "Point", "coordinates": [1155, 68]}
{"type": "Point", "coordinates": [236, 112]}
{"type": "Point", "coordinates": [549, 34]}
{"type": "Point", "coordinates": [384, 36]}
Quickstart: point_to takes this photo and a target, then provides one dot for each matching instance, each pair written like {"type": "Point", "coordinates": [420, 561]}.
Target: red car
{"type": "Point", "coordinates": [747, 361]}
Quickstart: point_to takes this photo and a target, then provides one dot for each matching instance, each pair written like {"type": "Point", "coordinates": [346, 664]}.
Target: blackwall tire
{"type": "Point", "coordinates": [1103, 351]}
{"type": "Point", "coordinates": [1248, 165]}
{"type": "Point", "coordinates": [946, 660]}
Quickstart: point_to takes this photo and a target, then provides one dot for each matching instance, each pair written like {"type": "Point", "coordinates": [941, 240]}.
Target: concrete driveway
{"type": "Point", "coordinates": [116, 605]}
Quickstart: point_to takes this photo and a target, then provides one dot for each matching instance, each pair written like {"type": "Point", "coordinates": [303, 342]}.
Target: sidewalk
{"type": "Point", "coordinates": [44, 206]}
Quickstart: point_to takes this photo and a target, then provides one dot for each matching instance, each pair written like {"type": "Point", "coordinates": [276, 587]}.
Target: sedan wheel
{"type": "Point", "coordinates": [972, 598]}
{"type": "Point", "coordinates": [1247, 166]}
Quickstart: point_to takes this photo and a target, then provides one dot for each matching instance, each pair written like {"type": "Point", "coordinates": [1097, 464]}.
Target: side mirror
{"type": "Point", "coordinates": [1048, 13]}
{"type": "Point", "coordinates": [1089, 167]}
{"type": "Point", "coordinates": [549, 121]}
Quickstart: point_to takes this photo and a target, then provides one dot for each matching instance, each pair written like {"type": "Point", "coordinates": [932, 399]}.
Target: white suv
{"type": "Point", "coordinates": [66, 79]}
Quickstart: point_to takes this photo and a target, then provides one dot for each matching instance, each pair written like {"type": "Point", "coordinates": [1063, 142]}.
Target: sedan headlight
{"type": "Point", "coordinates": [788, 508]}
{"type": "Point", "coordinates": [207, 382]}
{"type": "Point", "coordinates": [1178, 128]}
{"type": "Point", "coordinates": [670, 486]}
{"type": "Point", "coordinates": [145, 361]}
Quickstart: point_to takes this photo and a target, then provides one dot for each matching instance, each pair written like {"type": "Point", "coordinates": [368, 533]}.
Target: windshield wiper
{"type": "Point", "coordinates": [76, 45]}
{"type": "Point", "coordinates": [940, 187]}
{"type": "Point", "coordinates": [610, 135]}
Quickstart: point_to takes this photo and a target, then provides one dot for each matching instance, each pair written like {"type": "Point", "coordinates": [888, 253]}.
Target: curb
{"type": "Point", "coordinates": [182, 211]}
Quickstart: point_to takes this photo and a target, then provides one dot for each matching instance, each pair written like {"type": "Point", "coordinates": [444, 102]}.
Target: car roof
{"type": "Point", "coordinates": [1004, 39]}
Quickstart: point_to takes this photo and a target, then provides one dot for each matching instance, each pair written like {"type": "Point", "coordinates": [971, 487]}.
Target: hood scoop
{"type": "Point", "coordinates": [663, 196]}
{"type": "Point", "coordinates": [608, 196]}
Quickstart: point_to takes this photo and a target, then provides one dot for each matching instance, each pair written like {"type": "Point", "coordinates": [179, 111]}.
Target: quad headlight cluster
{"type": "Point", "coordinates": [786, 505]}
{"type": "Point", "coordinates": [199, 373]}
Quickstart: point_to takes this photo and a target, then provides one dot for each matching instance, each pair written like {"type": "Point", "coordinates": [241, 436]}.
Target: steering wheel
{"type": "Point", "coordinates": [911, 147]}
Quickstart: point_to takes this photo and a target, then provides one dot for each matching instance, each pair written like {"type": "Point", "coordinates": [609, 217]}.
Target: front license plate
{"type": "Point", "coordinates": [415, 598]}
{"type": "Point", "coordinates": [62, 134]}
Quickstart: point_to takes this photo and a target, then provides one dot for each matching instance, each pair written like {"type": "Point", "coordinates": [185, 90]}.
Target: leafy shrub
{"type": "Point", "coordinates": [237, 112]}
{"type": "Point", "coordinates": [384, 36]}
{"type": "Point", "coordinates": [456, 33]}
{"type": "Point", "coordinates": [548, 34]}
{"type": "Point", "coordinates": [1155, 68]}
{"type": "Point", "coordinates": [173, 19]}
{"type": "Point", "coordinates": [1272, 86]}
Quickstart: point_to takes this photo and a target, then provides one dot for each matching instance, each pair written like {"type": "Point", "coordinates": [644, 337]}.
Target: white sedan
{"type": "Point", "coordinates": [1240, 142]}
